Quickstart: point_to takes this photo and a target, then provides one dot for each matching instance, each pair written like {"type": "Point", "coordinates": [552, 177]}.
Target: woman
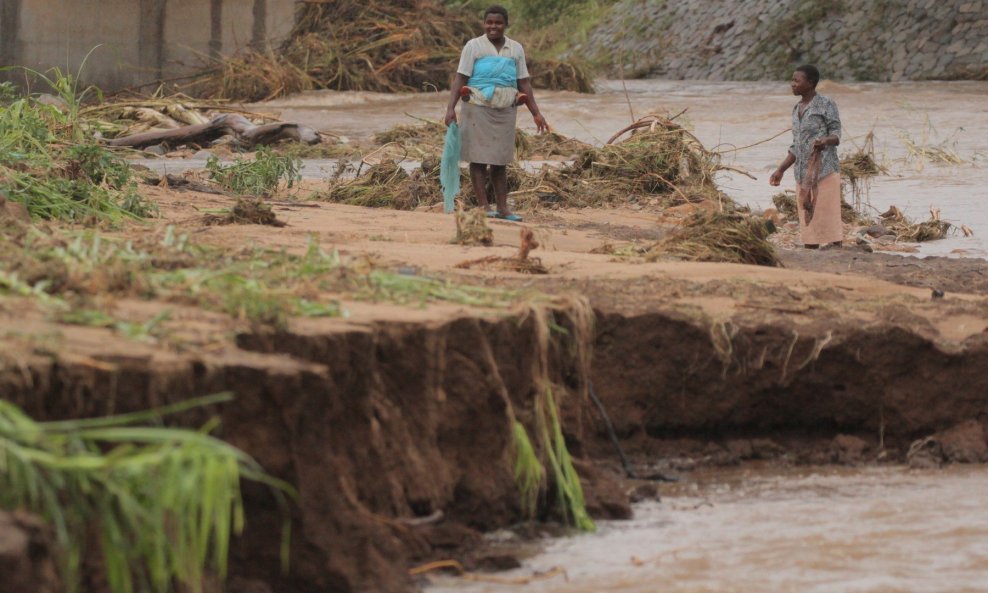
{"type": "Point", "coordinates": [492, 69]}
{"type": "Point", "coordinates": [816, 133]}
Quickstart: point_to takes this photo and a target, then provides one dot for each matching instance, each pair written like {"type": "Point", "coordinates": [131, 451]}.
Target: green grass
{"type": "Point", "coordinates": [529, 473]}
{"type": "Point", "coordinates": [565, 480]}
{"type": "Point", "coordinates": [259, 176]}
{"type": "Point", "coordinates": [50, 164]}
{"type": "Point", "coordinates": [68, 271]}
{"type": "Point", "coordinates": [162, 502]}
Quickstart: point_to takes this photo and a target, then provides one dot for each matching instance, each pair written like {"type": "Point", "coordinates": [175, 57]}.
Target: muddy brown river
{"type": "Point", "coordinates": [875, 530]}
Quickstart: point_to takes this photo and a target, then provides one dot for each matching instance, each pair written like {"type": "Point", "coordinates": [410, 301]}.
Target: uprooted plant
{"type": "Point", "coordinates": [259, 176]}
{"type": "Point", "coordinates": [162, 503]}
{"type": "Point", "coordinates": [545, 464]}
{"type": "Point", "coordinates": [48, 164]}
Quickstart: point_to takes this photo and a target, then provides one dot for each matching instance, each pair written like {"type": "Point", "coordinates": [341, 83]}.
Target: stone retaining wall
{"type": "Point", "coordinates": [882, 40]}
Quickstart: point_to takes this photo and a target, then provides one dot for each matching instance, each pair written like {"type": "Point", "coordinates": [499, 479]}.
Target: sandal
{"type": "Point", "coordinates": [509, 217]}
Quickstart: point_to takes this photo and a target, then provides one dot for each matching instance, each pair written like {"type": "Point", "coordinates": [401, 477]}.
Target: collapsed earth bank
{"type": "Point", "coordinates": [397, 432]}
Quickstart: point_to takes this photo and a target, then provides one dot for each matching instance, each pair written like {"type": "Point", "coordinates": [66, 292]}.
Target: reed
{"type": "Point", "coordinates": [161, 502]}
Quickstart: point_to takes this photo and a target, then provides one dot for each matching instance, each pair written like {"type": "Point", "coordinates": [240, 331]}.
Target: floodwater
{"type": "Point", "coordinates": [731, 115]}
{"type": "Point", "coordinates": [874, 530]}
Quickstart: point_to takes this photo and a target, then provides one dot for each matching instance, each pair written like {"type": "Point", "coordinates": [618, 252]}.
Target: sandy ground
{"type": "Point", "coordinates": [419, 242]}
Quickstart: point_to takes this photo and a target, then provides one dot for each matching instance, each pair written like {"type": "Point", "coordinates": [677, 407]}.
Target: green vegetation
{"type": "Point", "coordinates": [162, 502]}
{"type": "Point", "coordinates": [565, 480]}
{"type": "Point", "coordinates": [70, 271]}
{"type": "Point", "coordinates": [529, 473]}
{"type": "Point", "coordinates": [48, 163]}
{"type": "Point", "coordinates": [546, 462]}
{"type": "Point", "coordinates": [259, 176]}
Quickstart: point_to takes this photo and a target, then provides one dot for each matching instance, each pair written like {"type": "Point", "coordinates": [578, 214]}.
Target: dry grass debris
{"type": "Point", "coordinates": [397, 46]}
{"type": "Point", "coordinates": [388, 185]}
{"type": "Point", "coordinates": [907, 230]}
{"type": "Point", "coordinates": [521, 262]}
{"type": "Point", "coordinates": [857, 170]}
{"type": "Point", "coordinates": [661, 163]}
{"type": "Point", "coordinates": [471, 227]}
{"type": "Point", "coordinates": [718, 237]}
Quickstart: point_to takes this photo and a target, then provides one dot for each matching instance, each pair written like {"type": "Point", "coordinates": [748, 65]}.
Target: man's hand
{"type": "Point", "coordinates": [776, 178]}
{"type": "Point", "coordinates": [820, 144]}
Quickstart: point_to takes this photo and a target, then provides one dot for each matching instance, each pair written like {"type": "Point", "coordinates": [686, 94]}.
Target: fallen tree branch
{"type": "Point", "coordinates": [246, 133]}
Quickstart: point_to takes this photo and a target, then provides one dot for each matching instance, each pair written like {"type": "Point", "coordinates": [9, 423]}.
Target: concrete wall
{"type": "Point", "coordinates": [140, 41]}
{"type": "Point", "coordinates": [764, 39]}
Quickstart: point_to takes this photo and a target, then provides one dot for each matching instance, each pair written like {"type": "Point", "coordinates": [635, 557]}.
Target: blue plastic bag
{"type": "Point", "coordinates": [449, 168]}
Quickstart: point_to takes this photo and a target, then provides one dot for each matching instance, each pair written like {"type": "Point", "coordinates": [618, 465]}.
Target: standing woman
{"type": "Point", "coordinates": [492, 69]}
{"type": "Point", "coordinates": [816, 128]}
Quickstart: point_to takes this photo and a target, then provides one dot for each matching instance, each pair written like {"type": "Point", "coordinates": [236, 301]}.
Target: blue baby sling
{"type": "Point", "coordinates": [490, 72]}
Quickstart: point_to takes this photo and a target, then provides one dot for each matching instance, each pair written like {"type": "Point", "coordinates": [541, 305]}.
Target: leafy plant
{"type": "Point", "coordinates": [47, 164]}
{"type": "Point", "coordinates": [163, 502]}
{"type": "Point", "coordinates": [257, 177]}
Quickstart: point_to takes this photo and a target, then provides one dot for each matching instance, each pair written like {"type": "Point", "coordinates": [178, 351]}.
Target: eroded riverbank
{"type": "Point", "coordinates": [394, 422]}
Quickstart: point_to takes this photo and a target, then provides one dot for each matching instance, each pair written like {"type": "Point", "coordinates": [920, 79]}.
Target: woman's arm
{"type": "Point", "coordinates": [776, 177]}
{"type": "Point", "coordinates": [459, 82]}
{"type": "Point", "coordinates": [525, 86]}
{"type": "Point", "coordinates": [825, 141]}
{"type": "Point", "coordinates": [831, 119]}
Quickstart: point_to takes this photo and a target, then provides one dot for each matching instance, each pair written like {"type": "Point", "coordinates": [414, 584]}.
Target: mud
{"type": "Point", "coordinates": [397, 417]}
{"type": "Point", "coordinates": [376, 424]}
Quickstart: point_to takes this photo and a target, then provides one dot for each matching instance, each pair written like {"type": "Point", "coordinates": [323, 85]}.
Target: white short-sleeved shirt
{"type": "Point", "coordinates": [480, 47]}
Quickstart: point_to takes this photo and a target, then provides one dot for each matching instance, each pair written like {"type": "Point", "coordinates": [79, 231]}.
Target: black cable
{"type": "Point", "coordinates": [658, 477]}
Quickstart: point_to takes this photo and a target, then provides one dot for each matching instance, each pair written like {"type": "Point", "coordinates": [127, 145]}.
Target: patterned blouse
{"type": "Point", "coordinates": [820, 119]}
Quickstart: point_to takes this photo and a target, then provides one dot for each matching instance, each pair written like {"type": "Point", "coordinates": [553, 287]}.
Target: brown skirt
{"type": "Point", "coordinates": [825, 225]}
{"type": "Point", "coordinates": [488, 135]}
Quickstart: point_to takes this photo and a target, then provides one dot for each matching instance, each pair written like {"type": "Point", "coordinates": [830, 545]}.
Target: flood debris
{"type": "Point", "coordinates": [425, 141]}
{"type": "Point", "coordinates": [660, 163]}
{"type": "Point", "coordinates": [856, 170]}
{"type": "Point", "coordinates": [906, 230]}
{"type": "Point", "coordinates": [718, 237]}
{"type": "Point", "coordinates": [247, 210]}
{"type": "Point", "coordinates": [521, 262]}
{"type": "Point", "coordinates": [785, 204]}
{"type": "Point", "coordinates": [471, 227]}
{"type": "Point", "coordinates": [364, 46]}
{"type": "Point", "coordinates": [388, 185]}
{"type": "Point", "coordinates": [245, 134]}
